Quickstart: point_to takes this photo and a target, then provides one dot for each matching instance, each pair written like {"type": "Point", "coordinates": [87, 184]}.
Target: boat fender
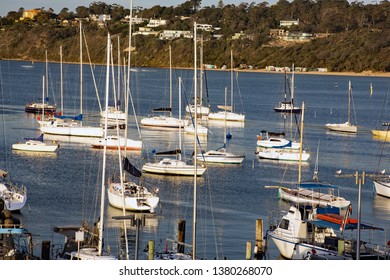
{"type": "Point", "coordinates": [258, 137]}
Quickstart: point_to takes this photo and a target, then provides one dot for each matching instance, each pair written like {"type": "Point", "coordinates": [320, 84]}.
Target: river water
{"type": "Point", "coordinates": [64, 188]}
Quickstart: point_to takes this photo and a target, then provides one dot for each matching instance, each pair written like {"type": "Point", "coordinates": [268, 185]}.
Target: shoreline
{"type": "Point", "coordinates": [367, 73]}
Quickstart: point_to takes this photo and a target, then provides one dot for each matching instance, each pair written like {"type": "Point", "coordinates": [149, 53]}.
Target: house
{"type": "Point", "coordinates": [205, 27]}
{"type": "Point", "coordinates": [100, 18]}
{"type": "Point", "coordinates": [156, 22]}
{"type": "Point", "coordinates": [173, 34]}
{"type": "Point", "coordinates": [30, 14]}
{"type": "Point", "coordinates": [146, 31]}
{"type": "Point", "coordinates": [288, 23]}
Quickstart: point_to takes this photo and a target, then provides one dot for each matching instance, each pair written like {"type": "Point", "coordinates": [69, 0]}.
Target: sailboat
{"type": "Point", "coordinates": [201, 110]}
{"type": "Point", "coordinates": [114, 111]}
{"type": "Point", "coordinates": [44, 105]}
{"type": "Point", "coordinates": [126, 194]}
{"type": "Point", "coordinates": [181, 255]}
{"type": "Point", "coordinates": [312, 193]}
{"type": "Point", "coordinates": [347, 126]}
{"type": "Point", "coordinates": [36, 144]}
{"type": "Point", "coordinates": [287, 106]}
{"type": "Point", "coordinates": [162, 121]}
{"type": "Point", "coordinates": [228, 113]}
{"type": "Point", "coordinates": [63, 125]}
{"type": "Point", "coordinates": [275, 140]}
{"type": "Point", "coordinates": [283, 154]}
{"type": "Point", "coordinates": [221, 155]}
{"type": "Point", "coordinates": [85, 243]}
{"type": "Point", "coordinates": [131, 196]}
{"type": "Point", "coordinates": [169, 165]}
{"type": "Point", "coordinates": [14, 197]}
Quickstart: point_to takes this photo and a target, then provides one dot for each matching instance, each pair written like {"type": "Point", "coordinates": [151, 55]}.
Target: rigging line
{"type": "Point", "coordinates": [213, 217]}
{"type": "Point", "coordinates": [353, 107]}
{"type": "Point", "coordinates": [192, 120]}
{"type": "Point", "coordinates": [207, 88]}
{"type": "Point", "coordinates": [239, 93]}
{"type": "Point", "coordinates": [93, 76]}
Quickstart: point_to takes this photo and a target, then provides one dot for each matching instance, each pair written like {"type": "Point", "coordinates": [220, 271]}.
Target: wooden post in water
{"type": "Point", "coordinates": [259, 252]}
{"type": "Point", "coordinates": [248, 250]}
{"type": "Point", "coordinates": [151, 250]}
{"type": "Point", "coordinates": [181, 236]}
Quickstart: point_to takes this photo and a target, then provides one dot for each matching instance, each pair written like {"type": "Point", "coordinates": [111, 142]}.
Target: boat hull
{"type": "Point", "coordinates": [228, 116]}
{"type": "Point", "coordinates": [172, 167]}
{"type": "Point", "coordinates": [82, 131]}
{"type": "Point", "coordinates": [283, 155]}
{"type": "Point", "coordinates": [35, 146]}
{"type": "Point", "coordinates": [220, 157]}
{"type": "Point", "coordinates": [382, 188]}
{"type": "Point", "coordinates": [342, 127]}
{"type": "Point", "coordinates": [132, 203]}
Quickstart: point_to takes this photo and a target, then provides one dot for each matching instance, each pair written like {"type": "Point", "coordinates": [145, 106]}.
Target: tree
{"type": "Point", "coordinates": [82, 12]}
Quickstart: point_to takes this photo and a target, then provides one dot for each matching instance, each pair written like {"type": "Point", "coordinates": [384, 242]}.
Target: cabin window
{"type": "Point", "coordinates": [284, 224]}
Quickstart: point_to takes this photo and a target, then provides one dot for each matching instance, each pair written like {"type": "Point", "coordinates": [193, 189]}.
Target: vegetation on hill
{"type": "Point", "coordinates": [357, 35]}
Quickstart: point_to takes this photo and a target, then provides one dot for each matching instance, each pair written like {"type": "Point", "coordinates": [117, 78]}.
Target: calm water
{"type": "Point", "coordinates": [64, 188]}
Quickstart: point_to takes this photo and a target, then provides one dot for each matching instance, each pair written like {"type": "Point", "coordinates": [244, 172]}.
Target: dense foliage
{"type": "Point", "coordinates": [358, 35]}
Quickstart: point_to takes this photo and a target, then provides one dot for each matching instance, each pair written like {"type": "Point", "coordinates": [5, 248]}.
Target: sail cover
{"type": "Point", "coordinates": [131, 168]}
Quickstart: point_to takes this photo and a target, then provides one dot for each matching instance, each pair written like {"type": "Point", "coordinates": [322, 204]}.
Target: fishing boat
{"type": "Point", "coordinates": [304, 231]}
{"type": "Point", "coordinates": [16, 242]}
{"type": "Point", "coordinates": [347, 126]}
{"type": "Point", "coordinates": [35, 145]}
{"type": "Point", "coordinates": [287, 106]}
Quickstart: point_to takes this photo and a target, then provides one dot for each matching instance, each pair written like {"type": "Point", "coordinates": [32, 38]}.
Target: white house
{"type": "Point", "coordinates": [156, 22]}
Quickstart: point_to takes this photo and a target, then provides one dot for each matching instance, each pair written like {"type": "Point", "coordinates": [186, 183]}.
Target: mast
{"type": "Point", "coordinates": [102, 195]}
{"type": "Point", "coordinates": [170, 80]}
{"type": "Point", "coordinates": [61, 84]}
{"type": "Point", "coordinates": [225, 130]}
{"type": "Point", "coordinates": [231, 81]}
{"type": "Point", "coordinates": [195, 153]}
{"type": "Point", "coordinates": [349, 102]}
{"type": "Point", "coordinates": [47, 80]}
{"type": "Point", "coordinates": [301, 144]}
{"type": "Point", "coordinates": [180, 117]}
{"type": "Point", "coordinates": [81, 69]}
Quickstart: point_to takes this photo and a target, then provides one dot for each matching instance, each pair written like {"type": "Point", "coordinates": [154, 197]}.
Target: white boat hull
{"type": "Point", "coordinates": [201, 110]}
{"type": "Point", "coordinates": [284, 155]}
{"type": "Point", "coordinates": [172, 167]}
{"type": "Point", "coordinates": [137, 201]}
{"type": "Point", "coordinates": [113, 143]}
{"type": "Point", "coordinates": [220, 157]}
{"type": "Point", "coordinates": [342, 127]}
{"type": "Point", "coordinates": [113, 114]}
{"type": "Point", "coordinates": [163, 122]}
{"type": "Point", "coordinates": [228, 116]}
{"type": "Point", "coordinates": [14, 200]}
{"type": "Point", "coordinates": [70, 128]}
{"type": "Point", "coordinates": [382, 188]}
{"type": "Point", "coordinates": [201, 130]}
{"type": "Point", "coordinates": [35, 146]}
{"type": "Point", "coordinates": [278, 143]}
{"type": "Point", "coordinates": [310, 197]}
